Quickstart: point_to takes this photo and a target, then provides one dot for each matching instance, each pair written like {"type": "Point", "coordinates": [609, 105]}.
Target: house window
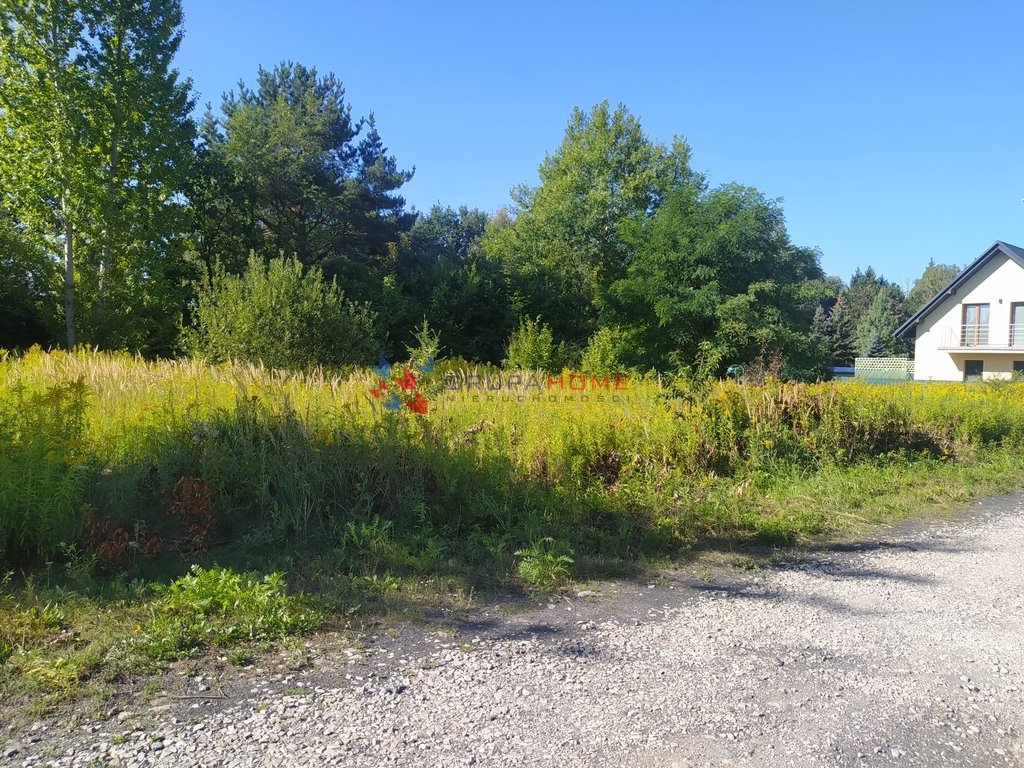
{"type": "Point", "coordinates": [973, 370]}
{"type": "Point", "coordinates": [1017, 324]}
{"type": "Point", "coordinates": [975, 330]}
{"type": "Point", "coordinates": [1018, 369]}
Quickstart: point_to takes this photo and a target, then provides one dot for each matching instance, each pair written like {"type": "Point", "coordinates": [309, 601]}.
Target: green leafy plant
{"type": "Point", "coordinates": [606, 352]}
{"type": "Point", "coordinates": [221, 607]}
{"type": "Point", "coordinates": [366, 541]}
{"type": "Point", "coordinates": [545, 563]}
{"type": "Point", "coordinates": [25, 627]}
{"type": "Point", "coordinates": [42, 472]}
{"type": "Point", "coordinates": [80, 567]}
{"type": "Point", "coordinates": [704, 369]}
{"type": "Point", "coordinates": [532, 347]}
{"type": "Point", "coordinates": [240, 657]}
{"type": "Point", "coordinates": [285, 317]}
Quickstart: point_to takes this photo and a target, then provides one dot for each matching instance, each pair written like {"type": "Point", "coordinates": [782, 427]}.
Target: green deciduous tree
{"type": "Point", "coordinates": [143, 137]}
{"type": "Point", "coordinates": [448, 277]}
{"type": "Point", "coordinates": [29, 300]}
{"type": "Point", "coordinates": [934, 278]}
{"type": "Point", "coordinates": [44, 142]}
{"type": "Point", "coordinates": [444, 235]}
{"type": "Point", "coordinates": [718, 268]}
{"type": "Point", "coordinates": [95, 148]}
{"type": "Point", "coordinates": [471, 306]}
{"type": "Point", "coordinates": [566, 246]}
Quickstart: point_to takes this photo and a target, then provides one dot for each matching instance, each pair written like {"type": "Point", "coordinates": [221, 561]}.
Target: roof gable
{"type": "Point", "coordinates": [1012, 252]}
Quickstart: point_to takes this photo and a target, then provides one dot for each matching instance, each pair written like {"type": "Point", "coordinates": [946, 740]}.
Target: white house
{"type": "Point", "coordinates": [974, 327]}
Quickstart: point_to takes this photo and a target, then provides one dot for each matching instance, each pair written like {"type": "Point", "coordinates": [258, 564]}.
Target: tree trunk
{"type": "Point", "coordinates": [65, 214]}
{"type": "Point", "coordinates": [101, 295]}
{"type": "Point", "coordinates": [112, 174]}
{"type": "Point", "coordinates": [69, 274]}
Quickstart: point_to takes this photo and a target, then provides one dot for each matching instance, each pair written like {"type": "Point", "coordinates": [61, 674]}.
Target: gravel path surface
{"type": "Point", "coordinates": [905, 653]}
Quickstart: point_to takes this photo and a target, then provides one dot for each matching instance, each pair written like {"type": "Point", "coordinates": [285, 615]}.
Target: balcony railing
{"type": "Point", "coordinates": [973, 336]}
{"type": "Point", "coordinates": [977, 336]}
{"type": "Point", "coordinates": [1017, 335]}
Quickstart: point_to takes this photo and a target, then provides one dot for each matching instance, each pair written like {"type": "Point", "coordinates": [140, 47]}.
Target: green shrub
{"type": "Point", "coordinates": [531, 347]}
{"type": "Point", "coordinates": [285, 318]}
{"type": "Point", "coordinates": [427, 349]}
{"type": "Point", "coordinates": [222, 608]}
{"type": "Point", "coordinates": [606, 352]}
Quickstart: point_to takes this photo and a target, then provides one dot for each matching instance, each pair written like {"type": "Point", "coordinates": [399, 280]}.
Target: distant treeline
{"type": "Point", "coordinates": [275, 228]}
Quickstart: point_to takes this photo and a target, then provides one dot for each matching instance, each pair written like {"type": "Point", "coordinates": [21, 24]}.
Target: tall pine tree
{"type": "Point", "coordinates": [875, 332]}
{"type": "Point", "coordinates": [307, 182]}
{"type": "Point", "coordinates": [843, 338]}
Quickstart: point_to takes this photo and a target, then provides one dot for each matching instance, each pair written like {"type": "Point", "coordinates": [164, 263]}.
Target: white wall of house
{"type": "Point", "coordinates": [1000, 283]}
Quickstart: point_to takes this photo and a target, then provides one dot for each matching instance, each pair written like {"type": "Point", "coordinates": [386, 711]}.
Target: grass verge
{"type": "Point", "coordinates": [77, 639]}
{"type": "Point", "coordinates": [159, 511]}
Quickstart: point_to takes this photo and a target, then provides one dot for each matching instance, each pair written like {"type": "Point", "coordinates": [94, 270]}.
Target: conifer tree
{"type": "Point", "coordinates": [843, 340]}
{"type": "Point", "coordinates": [875, 332]}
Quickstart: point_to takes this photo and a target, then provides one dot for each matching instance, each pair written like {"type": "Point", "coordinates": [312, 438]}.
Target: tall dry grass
{"type": "Point", "coordinates": [313, 461]}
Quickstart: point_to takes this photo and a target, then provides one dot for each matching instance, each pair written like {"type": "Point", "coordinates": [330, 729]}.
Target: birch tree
{"type": "Point", "coordinates": [43, 168]}
{"type": "Point", "coordinates": [143, 139]}
{"type": "Point", "coordinates": [96, 146]}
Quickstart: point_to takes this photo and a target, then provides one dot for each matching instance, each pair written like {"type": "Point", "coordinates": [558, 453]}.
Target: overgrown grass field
{"type": "Point", "coordinates": [150, 510]}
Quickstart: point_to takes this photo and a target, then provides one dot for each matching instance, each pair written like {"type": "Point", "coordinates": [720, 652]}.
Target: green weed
{"type": "Point", "coordinates": [218, 607]}
{"type": "Point", "coordinates": [42, 466]}
{"type": "Point", "coordinates": [545, 563]}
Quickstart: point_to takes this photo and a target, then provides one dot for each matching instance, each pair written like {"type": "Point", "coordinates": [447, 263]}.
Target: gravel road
{"type": "Point", "coordinates": [907, 652]}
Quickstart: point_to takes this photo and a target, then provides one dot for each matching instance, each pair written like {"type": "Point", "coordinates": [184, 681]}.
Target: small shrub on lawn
{"type": "Point", "coordinates": [218, 607]}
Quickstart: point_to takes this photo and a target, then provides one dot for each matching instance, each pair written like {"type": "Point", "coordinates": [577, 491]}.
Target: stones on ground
{"type": "Point", "coordinates": [878, 656]}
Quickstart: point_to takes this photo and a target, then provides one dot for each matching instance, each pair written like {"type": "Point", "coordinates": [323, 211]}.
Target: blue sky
{"type": "Point", "coordinates": [891, 130]}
